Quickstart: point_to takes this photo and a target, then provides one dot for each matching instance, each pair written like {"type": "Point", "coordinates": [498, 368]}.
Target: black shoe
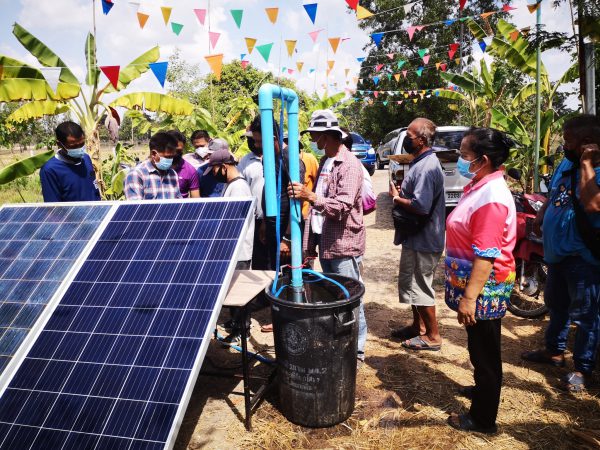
{"type": "Point", "coordinates": [466, 391]}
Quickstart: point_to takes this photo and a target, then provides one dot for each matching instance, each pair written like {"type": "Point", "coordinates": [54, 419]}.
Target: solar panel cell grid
{"type": "Point", "coordinates": [114, 360]}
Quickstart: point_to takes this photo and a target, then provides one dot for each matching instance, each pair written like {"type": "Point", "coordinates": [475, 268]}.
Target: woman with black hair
{"type": "Point", "coordinates": [480, 268]}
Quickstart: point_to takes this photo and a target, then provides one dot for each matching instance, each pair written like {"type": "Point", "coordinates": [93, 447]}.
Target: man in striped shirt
{"type": "Point", "coordinates": [155, 178]}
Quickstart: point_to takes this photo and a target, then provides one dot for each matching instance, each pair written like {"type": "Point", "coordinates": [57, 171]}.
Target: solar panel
{"type": "Point", "coordinates": [115, 364]}
{"type": "Point", "coordinates": [38, 247]}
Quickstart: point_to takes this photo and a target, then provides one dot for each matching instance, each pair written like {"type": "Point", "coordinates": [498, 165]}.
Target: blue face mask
{"type": "Point", "coordinates": [164, 163]}
{"type": "Point", "coordinates": [76, 153]}
{"type": "Point", "coordinates": [464, 167]}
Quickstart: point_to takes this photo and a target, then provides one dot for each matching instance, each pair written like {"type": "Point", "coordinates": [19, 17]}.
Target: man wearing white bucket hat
{"type": "Point", "coordinates": [335, 223]}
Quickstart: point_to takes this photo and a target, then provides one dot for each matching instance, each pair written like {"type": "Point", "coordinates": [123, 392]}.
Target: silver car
{"type": "Point", "coordinates": [445, 145]}
{"type": "Point", "coordinates": [386, 148]}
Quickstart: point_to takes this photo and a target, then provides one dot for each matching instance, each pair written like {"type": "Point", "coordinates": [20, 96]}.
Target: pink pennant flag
{"type": "Point", "coordinates": [404, 72]}
{"type": "Point", "coordinates": [375, 94]}
{"type": "Point", "coordinates": [453, 49]}
{"type": "Point", "coordinates": [399, 102]}
{"type": "Point", "coordinates": [420, 27]}
{"type": "Point", "coordinates": [290, 71]}
{"type": "Point", "coordinates": [314, 35]}
{"type": "Point", "coordinates": [443, 67]}
{"type": "Point", "coordinates": [411, 32]}
{"type": "Point", "coordinates": [426, 59]}
{"type": "Point", "coordinates": [201, 15]}
{"type": "Point", "coordinates": [507, 8]}
{"type": "Point", "coordinates": [378, 67]}
{"type": "Point", "coordinates": [390, 55]}
{"type": "Point", "coordinates": [213, 37]}
{"type": "Point", "coordinates": [245, 64]}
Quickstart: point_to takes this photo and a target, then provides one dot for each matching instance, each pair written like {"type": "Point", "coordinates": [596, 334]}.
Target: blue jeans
{"type": "Point", "coordinates": [348, 267]}
{"type": "Point", "coordinates": [572, 294]}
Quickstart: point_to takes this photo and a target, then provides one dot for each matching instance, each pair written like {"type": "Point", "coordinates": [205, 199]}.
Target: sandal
{"type": "Point", "coordinates": [404, 333]}
{"type": "Point", "coordinates": [466, 423]}
{"type": "Point", "coordinates": [542, 357]}
{"type": "Point", "coordinates": [418, 343]}
{"type": "Point", "coordinates": [573, 382]}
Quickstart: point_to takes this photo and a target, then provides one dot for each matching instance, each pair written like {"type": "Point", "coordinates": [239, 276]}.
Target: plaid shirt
{"type": "Point", "coordinates": [343, 230]}
{"type": "Point", "coordinates": [145, 182]}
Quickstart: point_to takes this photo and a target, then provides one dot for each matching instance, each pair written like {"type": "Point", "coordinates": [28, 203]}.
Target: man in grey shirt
{"type": "Point", "coordinates": [422, 193]}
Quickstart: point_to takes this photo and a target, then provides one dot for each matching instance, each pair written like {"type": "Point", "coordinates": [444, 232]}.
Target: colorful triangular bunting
{"type": "Point", "coordinates": [216, 64]}
{"type": "Point", "coordinates": [112, 73]}
{"type": "Point", "coordinates": [201, 15]}
{"type": "Point", "coordinates": [265, 50]}
{"type": "Point", "coordinates": [159, 69]}
{"type": "Point", "coordinates": [166, 13]}
{"type": "Point", "coordinates": [334, 42]}
{"type": "Point", "coordinates": [237, 15]}
{"type": "Point", "coordinates": [250, 43]}
{"type": "Point", "coordinates": [311, 10]}
{"type": "Point", "coordinates": [291, 46]}
{"type": "Point", "coordinates": [176, 27]}
{"type": "Point", "coordinates": [213, 37]}
{"type": "Point", "coordinates": [142, 19]}
{"type": "Point", "coordinates": [362, 13]}
{"type": "Point", "coordinates": [272, 14]}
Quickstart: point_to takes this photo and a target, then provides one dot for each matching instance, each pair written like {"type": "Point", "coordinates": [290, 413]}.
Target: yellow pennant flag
{"type": "Point", "coordinates": [166, 12]}
{"type": "Point", "coordinates": [330, 64]}
{"type": "Point", "coordinates": [362, 13]}
{"type": "Point", "coordinates": [216, 64]}
{"type": "Point", "coordinates": [457, 60]}
{"type": "Point", "coordinates": [346, 71]}
{"type": "Point", "coordinates": [533, 8]}
{"type": "Point", "coordinates": [415, 100]}
{"type": "Point", "coordinates": [299, 65]}
{"type": "Point", "coordinates": [397, 76]}
{"type": "Point", "coordinates": [437, 66]}
{"type": "Point", "coordinates": [250, 43]}
{"type": "Point", "coordinates": [272, 13]}
{"type": "Point", "coordinates": [334, 42]}
{"type": "Point", "coordinates": [291, 46]}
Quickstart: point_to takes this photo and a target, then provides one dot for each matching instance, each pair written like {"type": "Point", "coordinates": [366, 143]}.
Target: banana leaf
{"type": "Point", "coordinates": [512, 126]}
{"type": "Point", "coordinates": [21, 89]}
{"type": "Point", "coordinates": [464, 81]}
{"type": "Point", "coordinates": [44, 55]}
{"type": "Point", "coordinates": [37, 109]}
{"type": "Point", "coordinates": [476, 29]}
{"type": "Point", "coordinates": [153, 101]}
{"type": "Point", "coordinates": [524, 93]}
{"type": "Point", "coordinates": [24, 167]}
{"type": "Point", "coordinates": [453, 95]}
{"type": "Point", "coordinates": [117, 184]}
{"type": "Point", "coordinates": [13, 68]}
{"type": "Point", "coordinates": [93, 72]}
{"type": "Point", "coordinates": [135, 69]}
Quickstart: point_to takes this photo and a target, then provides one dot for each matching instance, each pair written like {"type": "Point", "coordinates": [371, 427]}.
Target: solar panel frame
{"type": "Point", "coordinates": [211, 323]}
{"type": "Point", "coordinates": [7, 374]}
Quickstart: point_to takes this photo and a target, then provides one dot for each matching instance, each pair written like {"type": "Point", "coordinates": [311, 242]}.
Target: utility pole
{"type": "Point", "coordinates": [590, 78]}
{"type": "Point", "coordinates": [538, 104]}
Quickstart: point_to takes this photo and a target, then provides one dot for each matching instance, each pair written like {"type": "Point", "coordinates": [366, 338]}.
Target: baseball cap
{"type": "Point", "coordinates": [222, 156]}
{"type": "Point", "coordinates": [218, 144]}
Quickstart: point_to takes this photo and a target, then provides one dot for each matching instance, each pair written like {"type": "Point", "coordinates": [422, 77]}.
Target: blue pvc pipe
{"type": "Point", "coordinates": [266, 94]}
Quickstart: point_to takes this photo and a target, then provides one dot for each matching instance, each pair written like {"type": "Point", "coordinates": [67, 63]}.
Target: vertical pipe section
{"type": "Point", "coordinates": [538, 105]}
{"type": "Point", "coordinates": [266, 94]}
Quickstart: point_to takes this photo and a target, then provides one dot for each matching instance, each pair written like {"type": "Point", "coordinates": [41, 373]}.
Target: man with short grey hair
{"type": "Point", "coordinates": [421, 194]}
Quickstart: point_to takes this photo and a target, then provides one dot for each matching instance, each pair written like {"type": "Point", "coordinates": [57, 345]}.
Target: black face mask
{"type": "Point", "coordinates": [253, 148]}
{"type": "Point", "coordinates": [221, 175]}
{"type": "Point", "coordinates": [408, 145]}
{"type": "Point", "coordinates": [571, 155]}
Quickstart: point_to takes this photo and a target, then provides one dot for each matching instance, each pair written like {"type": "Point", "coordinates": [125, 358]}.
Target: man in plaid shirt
{"type": "Point", "coordinates": [335, 223]}
{"type": "Point", "coordinates": [155, 178]}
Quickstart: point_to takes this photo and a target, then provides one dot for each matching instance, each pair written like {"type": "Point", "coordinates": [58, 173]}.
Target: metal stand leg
{"type": "Point", "coordinates": [245, 370]}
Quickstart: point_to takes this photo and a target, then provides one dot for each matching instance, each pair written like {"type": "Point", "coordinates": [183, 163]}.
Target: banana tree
{"type": "Point", "coordinates": [85, 100]}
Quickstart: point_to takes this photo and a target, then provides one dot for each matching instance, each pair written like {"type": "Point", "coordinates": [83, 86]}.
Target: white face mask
{"type": "Point", "coordinates": [202, 152]}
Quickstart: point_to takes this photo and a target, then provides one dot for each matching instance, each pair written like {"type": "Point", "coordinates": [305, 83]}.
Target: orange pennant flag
{"type": "Point", "coordinates": [514, 35]}
{"type": "Point", "coordinates": [533, 8]}
{"type": "Point", "coordinates": [334, 42]}
{"type": "Point", "coordinates": [485, 15]}
{"type": "Point", "coordinates": [166, 13]}
{"type": "Point", "coordinates": [250, 43]}
{"type": "Point", "coordinates": [142, 19]}
{"type": "Point", "coordinates": [437, 66]}
{"type": "Point", "coordinates": [397, 76]}
{"type": "Point", "coordinates": [272, 13]}
{"type": "Point", "coordinates": [216, 64]}
{"type": "Point", "coordinates": [299, 65]}
{"type": "Point", "coordinates": [330, 64]}
{"type": "Point", "coordinates": [362, 13]}
{"type": "Point", "coordinates": [291, 46]}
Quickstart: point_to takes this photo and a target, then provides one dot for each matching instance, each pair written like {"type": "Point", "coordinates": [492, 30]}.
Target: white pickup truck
{"type": "Point", "coordinates": [445, 145]}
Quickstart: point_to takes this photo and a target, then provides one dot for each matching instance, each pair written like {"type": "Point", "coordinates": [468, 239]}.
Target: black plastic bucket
{"type": "Point", "coordinates": [315, 345]}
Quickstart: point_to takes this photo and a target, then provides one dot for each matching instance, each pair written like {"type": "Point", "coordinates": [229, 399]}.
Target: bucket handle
{"type": "Point", "coordinates": [345, 324]}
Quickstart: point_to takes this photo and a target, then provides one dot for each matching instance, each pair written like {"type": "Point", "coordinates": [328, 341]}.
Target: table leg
{"type": "Point", "coordinates": [245, 370]}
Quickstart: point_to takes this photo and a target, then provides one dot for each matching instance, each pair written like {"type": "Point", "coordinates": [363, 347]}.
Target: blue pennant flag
{"type": "Point", "coordinates": [107, 6]}
{"type": "Point", "coordinates": [482, 46]}
{"type": "Point", "coordinates": [242, 56]}
{"type": "Point", "coordinates": [311, 10]}
{"type": "Point", "coordinates": [377, 38]}
{"type": "Point", "coordinates": [311, 70]}
{"type": "Point", "coordinates": [449, 22]}
{"type": "Point", "coordinates": [376, 80]}
{"type": "Point", "coordinates": [361, 59]}
{"type": "Point", "coordinates": [159, 69]}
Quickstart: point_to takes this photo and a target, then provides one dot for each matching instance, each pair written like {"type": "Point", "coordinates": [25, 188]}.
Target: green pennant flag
{"type": "Point", "coordinates": [237, 16]}
{"type": "Point", "coordinates": [176, 27]}
{"type": "Point", "coordinates": [389, 75]}
{"type": "Point", "coordinates": [419, 71]}
{"type": "Point", "coordinates": [385, 103]}
{"type": "Point", "coordinates": [265, 50]}
{"type": "Point", "coordinates": [423, 52]}
{"type": "Point", "coordinates": [401, 63]}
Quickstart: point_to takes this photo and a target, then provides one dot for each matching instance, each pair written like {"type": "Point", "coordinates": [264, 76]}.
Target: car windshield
{"type": "Point", "coordinates": [448, 140]}
{"type": "Point", "coordinates": [357, 138]}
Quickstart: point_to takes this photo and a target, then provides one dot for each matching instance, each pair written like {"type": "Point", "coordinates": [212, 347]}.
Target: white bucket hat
{"type": "Point", "coordinates": [324, 120]}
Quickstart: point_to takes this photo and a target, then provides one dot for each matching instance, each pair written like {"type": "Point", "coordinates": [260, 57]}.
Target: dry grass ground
{"type": "Point", "coordinates": [403, 398]}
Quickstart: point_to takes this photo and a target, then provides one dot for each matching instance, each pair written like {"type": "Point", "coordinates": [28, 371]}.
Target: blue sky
{"type": "Point", "coordinates": [63, 25]}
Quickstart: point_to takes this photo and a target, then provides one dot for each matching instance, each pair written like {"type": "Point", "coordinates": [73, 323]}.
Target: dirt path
{"type": "Point", "coordinates": [403, 398]}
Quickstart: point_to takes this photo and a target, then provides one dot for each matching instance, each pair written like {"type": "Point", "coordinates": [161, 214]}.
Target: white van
{"type": "Point", "coordinates": [446, 145]}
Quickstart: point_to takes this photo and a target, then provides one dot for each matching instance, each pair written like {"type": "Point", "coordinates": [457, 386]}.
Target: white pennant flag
{"type": "Point", "coordinates": [51, 74]}
{"type": "Point", "coordinates": [408, 7]}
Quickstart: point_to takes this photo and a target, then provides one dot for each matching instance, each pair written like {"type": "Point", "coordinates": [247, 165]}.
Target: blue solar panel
{"type": "Point", "coordinates": [112, 365]}
{"type": "Point", "coordinates": [39, 246]}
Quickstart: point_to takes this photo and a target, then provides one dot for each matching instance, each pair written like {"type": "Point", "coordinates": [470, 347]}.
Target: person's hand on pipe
{"type": "Point", "coordinates": [298, 191]}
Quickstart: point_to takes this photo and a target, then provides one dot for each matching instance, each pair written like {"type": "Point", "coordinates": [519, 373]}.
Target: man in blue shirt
{"type": "Point", "coordinates": [69, 176]}
{"type": "Point", "coordinates": [572, 291]}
